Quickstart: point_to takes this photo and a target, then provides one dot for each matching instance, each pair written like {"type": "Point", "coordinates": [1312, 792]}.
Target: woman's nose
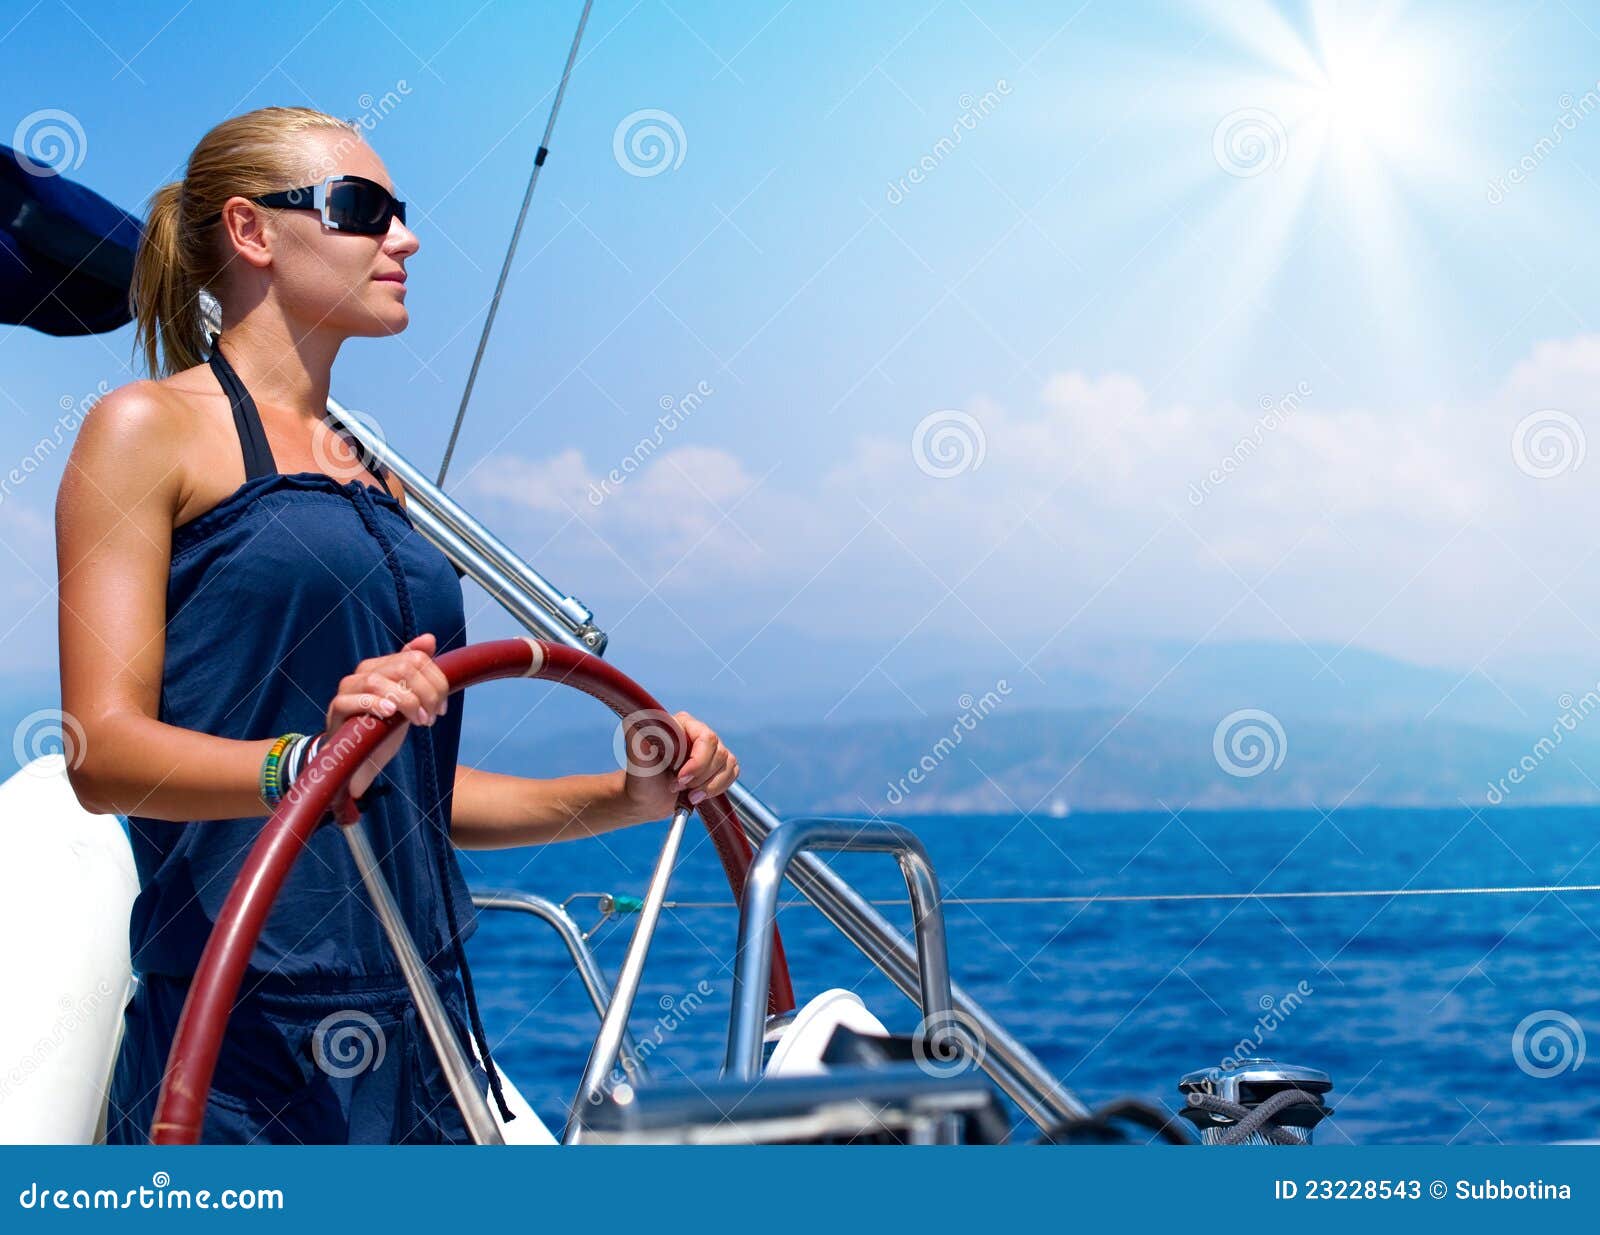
{"type": "Point", "coordinates": [401, 240]}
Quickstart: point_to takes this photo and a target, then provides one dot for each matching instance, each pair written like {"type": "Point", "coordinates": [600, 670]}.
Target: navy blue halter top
{"type": "Point", "coordinates": [274, 595]}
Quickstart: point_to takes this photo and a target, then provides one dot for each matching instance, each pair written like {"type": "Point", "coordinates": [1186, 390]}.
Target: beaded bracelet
{"type": "Point", "coordinates": [268, 782]}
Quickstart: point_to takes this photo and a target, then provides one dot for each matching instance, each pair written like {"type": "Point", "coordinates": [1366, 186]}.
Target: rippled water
{"type": "Point", "coordinates": [1412, 1004]}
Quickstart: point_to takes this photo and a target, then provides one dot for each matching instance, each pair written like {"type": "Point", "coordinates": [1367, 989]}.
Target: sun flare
{"type": "Point", "coordinates": [1375, 98]}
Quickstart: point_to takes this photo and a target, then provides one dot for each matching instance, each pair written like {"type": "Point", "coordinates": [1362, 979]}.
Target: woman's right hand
{"type": "Point", "coordinates": [408, 682]}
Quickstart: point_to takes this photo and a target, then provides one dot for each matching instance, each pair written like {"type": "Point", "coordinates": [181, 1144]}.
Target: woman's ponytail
{"type": "Point", "coordinates": [165, 297]}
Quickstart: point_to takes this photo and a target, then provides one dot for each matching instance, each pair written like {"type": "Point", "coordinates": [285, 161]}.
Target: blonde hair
{"type": "Point", "coordinates": [244, 156]}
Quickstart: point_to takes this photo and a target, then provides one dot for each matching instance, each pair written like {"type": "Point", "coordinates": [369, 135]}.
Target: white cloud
{"type": "Point", "coordinates": [1350, 510]}
{"type": "Point", "coordinates": [554, 485]}
{"type": "Point", "coordinates": [686, 500]}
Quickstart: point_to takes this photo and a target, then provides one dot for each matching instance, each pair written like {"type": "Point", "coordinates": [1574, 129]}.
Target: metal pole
{"type": "Point", "coordinates": [480, 1120]}
{"type": "Point", "coordinates": [603, 1055]}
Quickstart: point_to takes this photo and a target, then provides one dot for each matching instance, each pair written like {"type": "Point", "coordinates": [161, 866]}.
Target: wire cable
{"type": "Point", "coordinates": [511, 249]}
{"type": "Point", "coordinates": [1195, 896]}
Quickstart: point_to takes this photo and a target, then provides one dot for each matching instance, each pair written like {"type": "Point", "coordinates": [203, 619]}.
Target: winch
{"type": "Point", "coordinates": [1255, 1102]}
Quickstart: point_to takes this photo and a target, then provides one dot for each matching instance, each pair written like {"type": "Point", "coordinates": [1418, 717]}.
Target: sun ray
{"type": "Point", "coordinates": [1340, 141]}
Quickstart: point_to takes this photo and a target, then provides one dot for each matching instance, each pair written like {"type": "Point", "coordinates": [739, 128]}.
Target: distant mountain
{"type": "Point", "coordinates": [1045, 762]}
{"type": "Point", "coordinates": [839, 725]}
{"type": "Point", "coordinates": [849, 726]}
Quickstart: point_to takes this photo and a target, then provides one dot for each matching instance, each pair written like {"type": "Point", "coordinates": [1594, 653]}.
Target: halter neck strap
{"type": "Point", "coordinates": [258, 460]}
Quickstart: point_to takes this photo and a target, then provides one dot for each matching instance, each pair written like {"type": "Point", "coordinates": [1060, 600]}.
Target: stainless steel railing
{"type": "Point", "coordinates": [583, 961]}
{"type": "Point", "coordinates": [759, 913]}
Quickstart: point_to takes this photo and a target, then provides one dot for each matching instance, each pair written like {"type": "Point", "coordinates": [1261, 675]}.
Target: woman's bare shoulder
{"type": "Point", "coordinates": [144, 413]}
{"type": "Point", "coordinates": [134, 439]}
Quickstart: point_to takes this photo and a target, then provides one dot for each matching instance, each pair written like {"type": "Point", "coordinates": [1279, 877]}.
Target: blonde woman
{"type": "Point", "coordinates": [235, 583]}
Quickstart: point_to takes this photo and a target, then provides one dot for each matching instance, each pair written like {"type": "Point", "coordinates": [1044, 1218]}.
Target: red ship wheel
{"type": "Point", "coordinates": [321, 787]}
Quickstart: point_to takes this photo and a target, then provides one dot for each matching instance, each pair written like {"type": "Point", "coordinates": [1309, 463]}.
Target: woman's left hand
{"type": "Point", "coordinates": [710, 768]}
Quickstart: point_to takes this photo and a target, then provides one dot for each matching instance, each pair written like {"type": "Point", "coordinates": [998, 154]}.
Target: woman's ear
{"type": "Point", "coordinates": [246, 228]}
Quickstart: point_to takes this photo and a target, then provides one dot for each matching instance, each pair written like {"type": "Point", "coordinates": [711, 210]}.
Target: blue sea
{"type": "Point", "coordinates": [1460, 1019]}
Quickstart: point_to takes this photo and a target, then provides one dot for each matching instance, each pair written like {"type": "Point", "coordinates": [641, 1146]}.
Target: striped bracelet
{"type": "Point", "coordinates": [283, 762]}
{"type": "Point", "coordinates": [269, 768]}
{"type": "Point", "coordinates": [299, 755]}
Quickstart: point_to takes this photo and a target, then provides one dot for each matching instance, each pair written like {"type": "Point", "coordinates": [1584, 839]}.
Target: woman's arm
{"type": "Point", "coordinates": [114, 512]}
{"type": "Point", "coordinates": [491, 810]}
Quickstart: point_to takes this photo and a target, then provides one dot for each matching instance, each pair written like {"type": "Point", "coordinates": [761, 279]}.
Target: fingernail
{"type": "Point", "coordinates": [696, 797]}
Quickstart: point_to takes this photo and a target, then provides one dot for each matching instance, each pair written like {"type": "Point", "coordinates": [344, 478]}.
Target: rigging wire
{"type": "Point", "coordinates": [516, 234]}
{"type": "Point", "coordinates": [1134, 898]}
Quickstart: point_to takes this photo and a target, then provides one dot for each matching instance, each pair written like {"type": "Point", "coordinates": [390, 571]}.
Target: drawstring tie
{"type": "Point", "coordinates": [364, 507]}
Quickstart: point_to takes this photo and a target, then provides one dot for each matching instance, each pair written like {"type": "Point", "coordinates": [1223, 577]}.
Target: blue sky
{"type": "Point", "coordinates": [1092, 297]}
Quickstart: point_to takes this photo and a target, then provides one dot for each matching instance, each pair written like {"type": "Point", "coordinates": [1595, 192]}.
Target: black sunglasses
{"type": "Point", "coordinates": [346, 203]}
